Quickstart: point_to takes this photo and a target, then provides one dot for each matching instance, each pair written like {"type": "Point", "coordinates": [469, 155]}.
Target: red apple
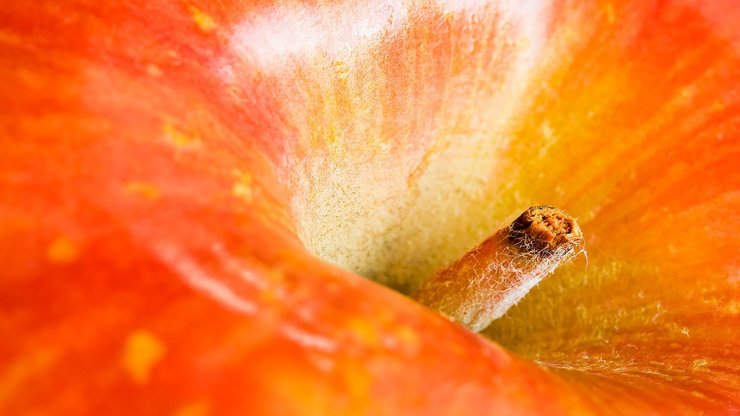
{"type": "Point", "coordinates": [177, 177]}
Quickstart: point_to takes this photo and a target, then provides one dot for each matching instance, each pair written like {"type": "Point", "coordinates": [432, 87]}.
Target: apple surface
{"type": "Point", "coordinates": [212, 208]}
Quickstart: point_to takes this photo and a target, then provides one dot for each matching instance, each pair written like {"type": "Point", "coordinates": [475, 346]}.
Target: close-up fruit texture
{"type": "Point", "coordinates": [390, 207]}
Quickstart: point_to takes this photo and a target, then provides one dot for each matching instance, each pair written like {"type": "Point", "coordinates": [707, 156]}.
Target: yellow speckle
{"type": "Point", "coordinates": [242, 188]}
{"type": "Point", "coordinates": [200, 408]}
{"type": "Point", "coordinates": [699, 364]}
{"type": "Point", "coordinates": [364, 330]}
{"type": "Point", "coordinates": [341, 69]}
{"type": "Point", "coordinates": [408, 336]}
{"type": "Point", "coordinates": [142, 351]}
{"type": "Point", "coordinates": [62, 250]}
{"type": "Point", "coordinates": [698, 394]}
{"type": "Point", "coordinates": [147, 190]}
{"type": "Point", "coordinates": [154, 71]}
{"type": "Point", "coordinates": [733, 308]}
{"type": "Point", "coordinates": [611, 15]}
{"type": "Point", "coordinates": [176, 136]}
{"type": "Point", "coordinates": [202, 20]}
{"type": "Point", "coordinates": [718, 106]}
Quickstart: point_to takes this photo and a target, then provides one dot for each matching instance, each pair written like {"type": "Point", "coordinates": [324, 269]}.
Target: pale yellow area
{"type": "Point", "coordinates": [63, 250]}
{"type": "Point", "coordinates": [142, 351]}
{"type": "Point", "coordinates": [523, 44]}
{"type": "Point", "coordinates": [203, 20]}
{"type": "Point", "coordinates": [393, 214]}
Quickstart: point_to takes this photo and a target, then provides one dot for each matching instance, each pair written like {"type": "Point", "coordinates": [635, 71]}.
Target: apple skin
{"type": "Point", "coordinates": [150, 254]}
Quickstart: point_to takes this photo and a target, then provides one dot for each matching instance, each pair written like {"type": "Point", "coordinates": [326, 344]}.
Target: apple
{"type": "Point", "coordinates": [205, 207]}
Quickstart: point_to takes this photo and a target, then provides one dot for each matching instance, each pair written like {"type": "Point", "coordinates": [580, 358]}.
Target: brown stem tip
{"type": "Point", "coordinates": [544, 229]}
{"type": "Point", "coordinates": [492, 277]}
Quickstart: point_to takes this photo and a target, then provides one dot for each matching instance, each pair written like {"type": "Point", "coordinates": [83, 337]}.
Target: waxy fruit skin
{"type": "Point", "coordinates": [172, 174]}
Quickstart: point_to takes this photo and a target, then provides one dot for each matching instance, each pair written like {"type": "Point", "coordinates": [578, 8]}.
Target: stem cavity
{"type": "Point", "coordinates": [491, 278]}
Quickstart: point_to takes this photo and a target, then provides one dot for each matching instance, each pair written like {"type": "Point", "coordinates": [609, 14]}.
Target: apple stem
{"type": "Point", "coordinates": [494, 276]}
